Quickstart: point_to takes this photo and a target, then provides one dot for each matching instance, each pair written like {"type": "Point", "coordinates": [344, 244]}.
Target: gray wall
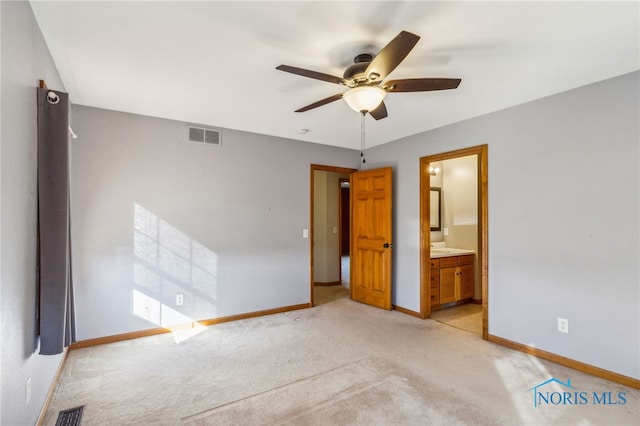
{"type": "Point", "coordinates": [155, 216]}
{"type": "Point", "coordinates": [436, 181]}
{"type": "Point", "coordinates": [320, 225]}
{"type": "Point", "coordinates": [326, 250]}
{"type": "Point", "coordinates": [564, 193]}
{"type": "Point", "coordinates": [25, 60]}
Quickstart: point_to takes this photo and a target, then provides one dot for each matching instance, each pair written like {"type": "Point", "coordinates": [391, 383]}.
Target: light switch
{"type": "Point", "coordinates": [335, 229]}
{"type": "Point", "coordinates": [305, 233]}
{"type": "Point", "coordinates": [446, 231]}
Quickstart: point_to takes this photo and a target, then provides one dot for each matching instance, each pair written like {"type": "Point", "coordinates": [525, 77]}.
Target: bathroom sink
{"type": "Point", "coordinates": [449, 251]}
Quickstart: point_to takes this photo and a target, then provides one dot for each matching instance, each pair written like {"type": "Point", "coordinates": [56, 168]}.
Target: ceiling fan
{"type": "Point", "coordinates": [365, 78]}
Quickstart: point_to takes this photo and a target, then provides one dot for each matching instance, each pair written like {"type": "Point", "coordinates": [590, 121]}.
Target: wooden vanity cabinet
{"type": "Point", "coordinates": [465, 278]}
{"type": "Point", "coordinates": [452, 279]}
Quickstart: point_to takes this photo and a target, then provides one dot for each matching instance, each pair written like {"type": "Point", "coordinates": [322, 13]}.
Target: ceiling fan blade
{"type": "Point", "coordinates": [311, 74]}
{"type": "Point", "coordinates": [380, 112]}
{"type": "Point", "coordinates": [320, 103]}
{"type": "Point", "coordinates": [421, 84]}
{"type": "Point", "coordinates": [391, 55]}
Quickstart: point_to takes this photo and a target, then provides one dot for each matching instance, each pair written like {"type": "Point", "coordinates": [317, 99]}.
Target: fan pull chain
{"type": "Point", "coordinates": [362, 144]}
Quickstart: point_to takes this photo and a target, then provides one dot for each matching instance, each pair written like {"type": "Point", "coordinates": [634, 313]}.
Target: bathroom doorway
{"type": "Point", "coordinates": [452, 290]}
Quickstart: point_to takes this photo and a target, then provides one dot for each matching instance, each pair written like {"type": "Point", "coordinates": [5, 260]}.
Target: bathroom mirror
{"type": "Point", "coordinates": [436, 210]}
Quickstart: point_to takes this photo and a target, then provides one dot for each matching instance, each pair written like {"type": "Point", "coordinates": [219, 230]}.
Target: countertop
{"type": "Point", "coordinates": [449, 252]}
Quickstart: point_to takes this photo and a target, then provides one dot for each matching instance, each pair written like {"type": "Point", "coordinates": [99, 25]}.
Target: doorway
{"type": "Point", "coordinates": [344, 230]}
{"type": "Point", "coordinates": [328, 228]}
{"type": "Point", "coordinates": [429, 276]}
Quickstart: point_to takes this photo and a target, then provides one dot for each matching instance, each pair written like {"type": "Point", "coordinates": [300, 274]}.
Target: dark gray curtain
{"type": "Point", "coordinates": [57, 317]}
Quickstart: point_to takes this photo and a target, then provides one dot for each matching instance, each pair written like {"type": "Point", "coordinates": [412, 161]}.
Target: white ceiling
{"type": "Point", "coordinates": [213, 63]}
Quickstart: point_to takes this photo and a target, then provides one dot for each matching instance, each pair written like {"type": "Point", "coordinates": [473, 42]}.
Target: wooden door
{"type": "Point", "coordinates": [371, 223]}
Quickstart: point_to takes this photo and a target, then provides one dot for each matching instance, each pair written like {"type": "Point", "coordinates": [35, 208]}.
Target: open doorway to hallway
{"type": "Point", "coordinates": [330, 230]}
{"type": "Point", "coordinates": [345, 230]}
{"type": "Point", "coordinates": [453, 200]}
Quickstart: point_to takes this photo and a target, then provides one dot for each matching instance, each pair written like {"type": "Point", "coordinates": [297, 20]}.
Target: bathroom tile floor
{"type": "Point", "coordinates": [466, 317]}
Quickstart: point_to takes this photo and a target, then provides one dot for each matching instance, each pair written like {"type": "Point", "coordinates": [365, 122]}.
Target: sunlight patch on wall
{"type": "Point", "coordinates": [170, 263]}
{"type": "Point", "coordinates": [155, 312]}
{"type": "Point", "coordinates": [162, 315]}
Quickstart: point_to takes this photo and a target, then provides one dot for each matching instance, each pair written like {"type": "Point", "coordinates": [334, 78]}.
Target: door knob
{"type": "Point", "coordinates": [387, 245]}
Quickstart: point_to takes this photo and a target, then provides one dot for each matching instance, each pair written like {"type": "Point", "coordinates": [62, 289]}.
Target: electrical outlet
{"type": "Point", "coordinates": [179, 299]}
{"type": "Point", "coordinates": [27, 390]}
{"type": "Point", "coordinates": [563, 325]}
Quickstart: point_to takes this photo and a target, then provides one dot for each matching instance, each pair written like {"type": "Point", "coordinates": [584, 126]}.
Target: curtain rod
{"type": "Point", "coordinates": [43, 85]}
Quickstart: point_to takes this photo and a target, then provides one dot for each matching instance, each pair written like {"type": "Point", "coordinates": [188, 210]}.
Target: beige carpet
{"type": "Point", "coordinates": [341, 363]}
{"type": "Point", "coordinates": [353, 393]}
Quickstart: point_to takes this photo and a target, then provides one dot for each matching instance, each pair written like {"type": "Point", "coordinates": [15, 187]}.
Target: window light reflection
{"type": "Point", "coordinates": [168, 263]}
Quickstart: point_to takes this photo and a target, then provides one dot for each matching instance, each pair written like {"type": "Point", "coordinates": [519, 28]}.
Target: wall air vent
{"type": "Point", "coordinates": [205, 135]}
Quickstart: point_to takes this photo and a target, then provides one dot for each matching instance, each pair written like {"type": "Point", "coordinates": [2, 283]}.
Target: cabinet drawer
{"type": "Point", "coordinates": [435, 263]}
{"type": "Point", "coordinates": [447, 262]}
{"type": "Point", "coordinates": [435, 297]}
{"type": "Point", "coordinates": [435, 287]}
{"type": "Point", "coordinates": [435, 278]}
{"type": "Point", "coordinates": [465, 260]}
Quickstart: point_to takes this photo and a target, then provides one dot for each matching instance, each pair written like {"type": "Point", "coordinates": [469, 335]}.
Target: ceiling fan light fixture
{"type": "Point", "coordinates": [365, 78]}
{"type": "Point", "coordinates": [364, 98]}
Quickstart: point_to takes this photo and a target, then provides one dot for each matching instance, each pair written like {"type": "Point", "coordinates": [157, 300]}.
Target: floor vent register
{"type": "Point", "coordinates": [70, 417]}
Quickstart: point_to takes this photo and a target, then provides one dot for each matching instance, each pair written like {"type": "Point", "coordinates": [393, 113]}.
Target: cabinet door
{"type": "Point", "coordinates": [465, 280]}
{"type": "Point", "coordinates": [448, 285]}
